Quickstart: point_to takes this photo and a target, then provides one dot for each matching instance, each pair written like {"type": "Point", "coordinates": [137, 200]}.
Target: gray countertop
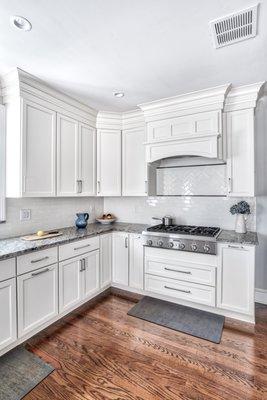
{"type": "Point", "coordinates": [12, 247]}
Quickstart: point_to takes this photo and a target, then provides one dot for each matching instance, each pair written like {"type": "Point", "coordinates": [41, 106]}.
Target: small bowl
{"type": "Point", "coordinates": [105, 221]}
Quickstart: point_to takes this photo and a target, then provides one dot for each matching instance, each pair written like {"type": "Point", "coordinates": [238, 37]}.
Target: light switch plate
{"type": "Point", "coordinates": [25, 214]}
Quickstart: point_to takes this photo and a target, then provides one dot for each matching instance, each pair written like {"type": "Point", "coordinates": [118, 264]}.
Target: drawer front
{"type": "Point", "coordinates": [185, 271]}
{"type": "Point", "coordinates": [181, 290]}
{"type": "Point", "coordinates": [37, 259]}
{"type": "Point", "coordinates": [181, 256]}
{"type": "Point", "coordinates": [7, 269]}
{"type": "Point", "coordinates": [79, 247]}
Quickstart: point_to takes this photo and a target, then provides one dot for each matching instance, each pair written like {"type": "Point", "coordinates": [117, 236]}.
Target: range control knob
{"type": "Point", "coordinates": [206, 248]}
{"type": "Point", "coordinates": [181, 246]}
{"type": "Point", "coordinates": [171, 244]}
{"type": "Point", "coordinates": [149, 242]}
{"type": "Point", "coordinates": [194, 247]}
{"type": "Point", "coordinates": [160, 243]}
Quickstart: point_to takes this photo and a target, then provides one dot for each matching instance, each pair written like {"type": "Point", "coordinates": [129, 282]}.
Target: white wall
{"type": "Point", "coordinates": [47, 213]}
{"type": "Point", "coordinates": [209, 211]}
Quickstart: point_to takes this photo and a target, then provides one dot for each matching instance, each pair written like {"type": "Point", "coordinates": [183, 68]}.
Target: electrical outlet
{"type": "Point", "coordinates": [25, 214]}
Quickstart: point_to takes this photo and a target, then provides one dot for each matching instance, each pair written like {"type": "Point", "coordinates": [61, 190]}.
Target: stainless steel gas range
{"type": "Point", "coordinates": [197, 239]}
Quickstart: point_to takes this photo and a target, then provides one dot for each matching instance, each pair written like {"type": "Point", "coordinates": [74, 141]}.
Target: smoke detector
{"type": "Point", "coordinates": [234, 27]}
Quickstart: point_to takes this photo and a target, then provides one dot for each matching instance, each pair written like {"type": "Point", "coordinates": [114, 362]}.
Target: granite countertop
{"type": "Point", "coordinates": [12, 247]}
{"type": "Point", "coordinates": [249, 238]}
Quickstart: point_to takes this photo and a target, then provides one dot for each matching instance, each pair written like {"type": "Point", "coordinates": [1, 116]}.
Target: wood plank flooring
{"type": "Point", "coordinates": [101, 353]}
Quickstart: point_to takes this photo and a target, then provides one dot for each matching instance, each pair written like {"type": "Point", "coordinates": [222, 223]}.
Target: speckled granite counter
{"type": "Point", "coordinates": [249, 238]}
{"type": "Point", "coordinates": [16, 246]}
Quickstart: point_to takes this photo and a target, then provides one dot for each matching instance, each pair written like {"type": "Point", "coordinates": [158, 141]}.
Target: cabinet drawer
{"type": "Point", "coordinates": [180, 289]}
{"type": "Point", "coordinates": [76, 248]}
{"type": "Point", "coordinates": [37, 259]}
{"type": "Point", "coordinates": [7, 269]}
{"type": "Point", "coordinates": [185, 271]}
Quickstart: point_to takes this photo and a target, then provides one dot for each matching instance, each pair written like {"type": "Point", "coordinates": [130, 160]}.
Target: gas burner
{"type": "Point", "coordinates": [197, 239]}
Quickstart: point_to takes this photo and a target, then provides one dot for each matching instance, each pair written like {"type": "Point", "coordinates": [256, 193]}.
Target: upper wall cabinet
{"type": "Point", "coordinates": [51, 140]}
{"type": "Point", "coordinates": [76, 161]}
{"type": "Point", "coordinates": [134, 176]}
{"type": "Point", "coordinates": [109, 162]}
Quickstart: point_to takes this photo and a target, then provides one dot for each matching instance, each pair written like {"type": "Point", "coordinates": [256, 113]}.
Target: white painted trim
{"type": "Point", "coordinates": [261, 296]}
{"type": "Point", "coordinates": [133, 120]}
{"type": "Point", "coordinates": [2, 164]}
{"type": "Point", "coordinates": [243, 97]}
{"type": "Point", "coordinates": [109, 120]}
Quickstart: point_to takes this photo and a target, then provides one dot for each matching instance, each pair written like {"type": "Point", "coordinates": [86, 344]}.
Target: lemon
{"type": "Point", "coordinates": [40, 233]}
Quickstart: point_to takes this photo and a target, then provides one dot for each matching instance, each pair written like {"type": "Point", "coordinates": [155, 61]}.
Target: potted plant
{"type": "Point", "coordinates": [240, 209]}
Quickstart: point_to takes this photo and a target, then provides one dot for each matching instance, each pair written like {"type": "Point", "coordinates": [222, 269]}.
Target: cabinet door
{"type": "Point", "coordinates": [236, 278]}
{"type": "Point", "coordinates": [105, 259]}
{"type": "Point", "coordinates": [8, 328]}
{"type": "Point", "coordinates": [70, 283]}
{"type": "Point", "coordinates": [134, 179]}
{"type": "Point", "coordinates": [109, 163]}
{"type": "Point", "coordinates": [38, 150]}
{"type": "Point", "coordinates": [240, 149]}
{"type": "Point", "coordinates": [67, 156]}
{"type": "Point", "coordinates": [120, 258]}
{"type": "Point", "coordinates": [37, 298]}
{"type": "Point", "coordinates": [91, 273]}
{"type": "Point", "coordinates": [136, 265]}
{"type": "Point", "coordinates": [87, 160]}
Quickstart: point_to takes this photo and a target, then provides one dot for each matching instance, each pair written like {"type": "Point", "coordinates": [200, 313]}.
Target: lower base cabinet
{"type": "Point", "coordinates": [8, 317]}
{"type": "Point", "coordinates": [37, 298]}
{"type": "Point", "coordinates": [105, 259]}
{"type": "Point", "coordinates": [120, 258]}
{"type": "Point", "coordinates": [78, 279]}
{"type": "Point", "coordinates": [136, 262]}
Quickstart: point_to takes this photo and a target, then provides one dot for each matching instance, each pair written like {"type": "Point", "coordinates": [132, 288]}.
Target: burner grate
{"type": "Point", "coordinates": [185, 230]}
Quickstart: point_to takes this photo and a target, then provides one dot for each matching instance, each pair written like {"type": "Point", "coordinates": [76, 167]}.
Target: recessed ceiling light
{"type": "Point", "coordinates": [118, 94]}
{"type": "Point", "coordinates": [21, 23]}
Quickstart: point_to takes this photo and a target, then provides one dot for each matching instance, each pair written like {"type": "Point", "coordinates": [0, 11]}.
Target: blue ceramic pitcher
{"type": "Point", "coordinates": [81, 220]}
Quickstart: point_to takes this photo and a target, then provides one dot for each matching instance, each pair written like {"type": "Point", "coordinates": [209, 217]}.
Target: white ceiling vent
{"type": "Point", "coordinates": [235, 27]}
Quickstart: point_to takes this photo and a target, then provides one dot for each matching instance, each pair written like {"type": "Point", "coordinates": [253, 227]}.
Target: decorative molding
{"type": "Point", "coordinates": [261, 296]}
{"type": "Point", "coordinates": [19, 83]}
{"type": "Point", "coordinates": [186, 104]}
{"type": "Point", "coordinates": [133, 120]}
{"type": "Point", "coordinates": [243, 97]}
{"type": "Point", "coordinates": [109, 120]}
{"type": "Point", "coordinates": [2, 164]}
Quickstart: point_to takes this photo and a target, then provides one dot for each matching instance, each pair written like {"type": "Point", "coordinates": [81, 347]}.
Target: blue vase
{"type": "Point", "coordinates": [81, 221]}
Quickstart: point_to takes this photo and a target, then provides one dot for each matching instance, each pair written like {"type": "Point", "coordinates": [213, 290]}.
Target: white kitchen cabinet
{"type": "Point", "coordinates": [240, 152]}
{"type": "Point", "coordinates": [134, 175]}
{"type": "Point", "coordinates": [235, 285]}
{"type": "Point", "coordinates": [8, 317]}
{"type": "Point", "coordinates": [87, 160]}
{"type": "Point", "coordinates": [136, 262]}
{"type": "Point", "coordinates": [91, 273]}
{"type": "Point", "coordinates": [109, 163]}
{"type": "Point", "coordinates": [67, 156]}
{"type": "Point", "coordinates": [31, 147]}
{"type": "Point", "coordinates": [120, 258]}
{"type": "Point", "coordinates": [70, 283]}
{"type": "Point", "coordinates": [105, 259]}
{"type": "Point", "coordinates": [37, 298]}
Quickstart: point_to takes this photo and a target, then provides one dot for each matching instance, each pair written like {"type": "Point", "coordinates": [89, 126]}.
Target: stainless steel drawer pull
{"type": "Point", "coordinates": [126, 243]}
{"type": "Point", "coordinates": [177, 270]}
{"type": "Point", "coordinates": [82, 247]}
{"type": "Point", "coordinates": [39, 259]}
{"type": "Point", "coordinates": [40, 272]}
{"type": "Point", "coordinates": [82, 262]}
{"type": "Point", "coordinates": [235, 247]}
{"type": "Point", "coordinates": [178, 290]}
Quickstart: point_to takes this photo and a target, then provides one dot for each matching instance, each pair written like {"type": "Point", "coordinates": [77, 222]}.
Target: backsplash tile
{"type": "Point", "coordinates": [47, 213]}
{"type": "Point", "coordinates": [210, 211]}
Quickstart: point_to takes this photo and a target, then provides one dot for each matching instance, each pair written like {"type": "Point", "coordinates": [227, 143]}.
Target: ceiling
{"type": "Point", "coordinates": [149, 49]}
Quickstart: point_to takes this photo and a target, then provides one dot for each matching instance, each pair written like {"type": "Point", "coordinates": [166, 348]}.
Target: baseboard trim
{"type": "Point", "coordinates": [261, 296]}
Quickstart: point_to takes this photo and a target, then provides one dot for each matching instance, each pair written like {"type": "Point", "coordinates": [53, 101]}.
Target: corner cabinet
{"type": "Point", "coordinates": [105, 259]}
{"type": "Point", "coordinates": [109, 163]}
{"type": "Point", "coordinates": [76, 160]}
{"type": "Point", "coordinates": [240, 153]}
{"type": "Point", "coordinates": [134, 175]}
{"type": "Point", "coordinates": [8, 317]}
{"type": "Point", "coordinates": [235, 280]}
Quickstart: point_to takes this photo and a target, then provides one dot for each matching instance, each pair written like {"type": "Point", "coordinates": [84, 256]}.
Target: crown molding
{"type": "Point", "coordinates": [133, 120]}
{"type": "Point", "coordinates": [109, 120]}
{"type": "Point", "coordinates": [243, 97]}
{"type": "Point", "coordinates": [19, 83]}
{"type": "Point", "coordinates": [190, 103]}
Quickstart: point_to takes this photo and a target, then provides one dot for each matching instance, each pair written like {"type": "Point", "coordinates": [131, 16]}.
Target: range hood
{"type": "Point", "coordinates": [186, 125]}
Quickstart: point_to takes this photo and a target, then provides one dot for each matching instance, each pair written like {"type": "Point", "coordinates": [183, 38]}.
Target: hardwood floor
{"type": "Point", "coordinates": [101, 353]}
